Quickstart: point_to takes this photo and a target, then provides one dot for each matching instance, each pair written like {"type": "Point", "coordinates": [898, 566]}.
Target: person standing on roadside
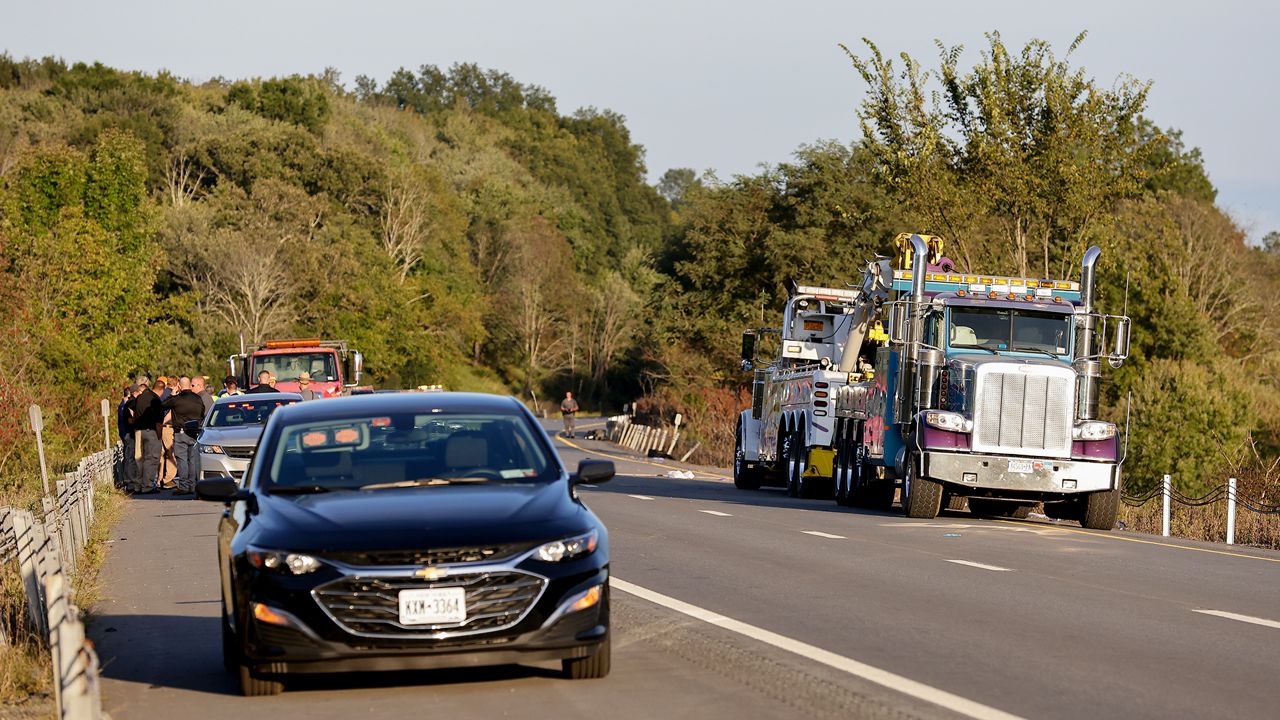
{"type": "Point", "coordinates": [185, 406]}
{"type": "Point", "coordinates": [230, 386]}
{"type": "Point", "coordinates": [568, 408]}
{"type": "Point", "coordinates": [200, 387]}
{"type": "Point", "coordinates": [304, 387]}
{"type": "Point", "coordinates": [164, 388]}
{"type": "Point", "coordinates": [147, 416]}
{"type": "Point", "coordinates": [125, 432]}
{"type": "Point", "coordinates": [265, 384]}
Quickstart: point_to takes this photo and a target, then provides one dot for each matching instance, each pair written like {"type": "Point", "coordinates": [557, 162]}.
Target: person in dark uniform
{"type": "Point", "coordinates": [185, 406]}
{"type": "Point", "coordinates": [264, 384]}
{"type": "Point", "coordinates": [147, 416]}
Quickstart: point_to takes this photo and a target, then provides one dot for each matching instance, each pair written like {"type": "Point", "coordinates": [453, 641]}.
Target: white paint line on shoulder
{"type": "Point", "coordinates": [717, 513]}
{"type": "Point", "coordinates": [1242, 618]}
{"type": "Point", "coordinates": [819, 533]}
{"type": "Point", "coordinates": [970, 563]}
{"type": "Point", "coordinates": [640, 497]}
{"type": "Point", "coordinates": [884, 678]}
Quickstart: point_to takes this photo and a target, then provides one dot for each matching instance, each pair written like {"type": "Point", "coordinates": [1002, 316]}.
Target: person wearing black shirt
{"type": "Point", "coordinates": [147, 416]}
{"type": "Point", "coordinates": [185, 406]}
{"type": "Point", "coordinates": [264, 384]}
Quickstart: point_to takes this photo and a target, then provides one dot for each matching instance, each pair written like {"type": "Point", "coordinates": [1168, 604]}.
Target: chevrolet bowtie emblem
{"type": "Point", "coordinates": [431, 573]}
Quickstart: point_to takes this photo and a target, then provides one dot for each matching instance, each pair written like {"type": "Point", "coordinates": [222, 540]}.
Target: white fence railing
{"type": "Point", "coordinates": [645, 439]}
{"type": "Point", "coordinates": [47, 546]}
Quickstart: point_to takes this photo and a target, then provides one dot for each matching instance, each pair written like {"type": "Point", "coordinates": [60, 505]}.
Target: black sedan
{"type": "Point", "coordinates": [409, 531]}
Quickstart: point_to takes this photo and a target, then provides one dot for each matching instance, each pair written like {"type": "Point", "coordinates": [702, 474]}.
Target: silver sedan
{"type": "Point", "coordinates": [231, 431]}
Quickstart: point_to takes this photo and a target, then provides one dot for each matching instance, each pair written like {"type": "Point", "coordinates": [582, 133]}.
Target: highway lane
{"type": "Point", "coordinates": [1027, 618]}
{"type": "Point", "coordinates": [1067, 624]}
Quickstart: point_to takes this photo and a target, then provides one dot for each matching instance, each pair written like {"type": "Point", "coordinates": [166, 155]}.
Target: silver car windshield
{"type": "Point", "coordinates": [244, 412]}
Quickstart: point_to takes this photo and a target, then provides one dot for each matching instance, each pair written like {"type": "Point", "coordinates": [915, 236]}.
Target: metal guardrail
{"type": "Point", "coordinates": [47, 546]}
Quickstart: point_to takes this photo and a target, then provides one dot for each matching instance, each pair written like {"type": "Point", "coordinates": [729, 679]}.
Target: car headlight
{"type": "Point", "coordinates": [1093, 430]}
{"type": "Point", "coordinates": [209, 449]}
{"type": "Point", "coordinates": [569, 548]}
{"type": "Point", "coordinates": [285, 563]}
{"type": "Point", "coordinates": [949, 421]}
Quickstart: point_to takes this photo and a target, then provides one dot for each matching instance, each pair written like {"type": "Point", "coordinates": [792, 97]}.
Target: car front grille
{"type": "Point", "coordinates": [369, 606]}
{"type": "Point", "coordinates": [239, 453]}
{"type": "Point", "coordinates": [1026, 413]}
{"type": "Point", "coordinates": [439, 556]}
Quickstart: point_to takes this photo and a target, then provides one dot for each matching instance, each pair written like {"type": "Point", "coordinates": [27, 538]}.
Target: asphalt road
{"type": "Point", "coordinates": [750, 604]}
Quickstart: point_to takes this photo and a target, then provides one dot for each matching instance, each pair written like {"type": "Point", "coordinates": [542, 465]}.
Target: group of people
{"type": "Point", "coordinates": [158, 422]}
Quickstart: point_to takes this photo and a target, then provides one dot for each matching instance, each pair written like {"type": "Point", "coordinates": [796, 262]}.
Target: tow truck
{"type": "Point", "coordinates": [333, 366]}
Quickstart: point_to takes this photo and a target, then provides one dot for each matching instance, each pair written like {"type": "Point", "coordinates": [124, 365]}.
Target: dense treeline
{"type": "Point", "coordinates": [459, 229]}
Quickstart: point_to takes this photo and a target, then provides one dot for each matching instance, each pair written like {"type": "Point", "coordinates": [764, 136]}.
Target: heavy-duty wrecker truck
{"type": "Point", "coordinates": [938, 385]}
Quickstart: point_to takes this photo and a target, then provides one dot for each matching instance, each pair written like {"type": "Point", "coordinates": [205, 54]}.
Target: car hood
{"type": "Point", "coordinates": [235, 436]}
{"type": "Point", "coordinates": [412, 518]}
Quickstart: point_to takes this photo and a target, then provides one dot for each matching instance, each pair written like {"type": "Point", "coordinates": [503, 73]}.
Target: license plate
{"type": "Point", "coordinates": [1020, 466]}
{"type": "Point", "coordinates": [433, 606]}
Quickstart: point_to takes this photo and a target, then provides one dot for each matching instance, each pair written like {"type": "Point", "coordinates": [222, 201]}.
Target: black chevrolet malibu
{"type": "Point", "coordinates": [407, 531]}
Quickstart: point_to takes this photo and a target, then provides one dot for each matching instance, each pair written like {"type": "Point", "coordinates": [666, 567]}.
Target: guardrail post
{"type": "Point", "coordinates": [1231, 511]}
{"type": "Point", "coordinates": [1166, 491]}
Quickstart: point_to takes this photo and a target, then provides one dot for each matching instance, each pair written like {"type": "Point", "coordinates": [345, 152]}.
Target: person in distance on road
{"type": "Point", "coordinates": [265, 384]}
{"type": "Point", "coordinates": [304, 387]}
{"type": "Point", "coordinates": [568, 408]}
{"type": "Point", "coordinates": [230, 386]}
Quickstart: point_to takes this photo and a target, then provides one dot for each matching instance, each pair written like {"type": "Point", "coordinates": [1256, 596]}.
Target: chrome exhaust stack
{"type": "Point", "coordinates": [1088, 368]}
{"type": "Point", "coordinates": [909, 360]}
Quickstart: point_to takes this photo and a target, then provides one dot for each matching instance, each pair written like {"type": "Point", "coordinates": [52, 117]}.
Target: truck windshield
{"type": "Point", "coordinates": [287, 366]}
{"type": "Point", "coordinates": [1010, 330]}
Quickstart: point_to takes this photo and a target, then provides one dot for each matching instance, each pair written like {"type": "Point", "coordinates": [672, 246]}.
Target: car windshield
{"type": "Point", "coordinates": [287, 367]}
{"type": "Point", "coordinates": [408, 450]}
{"type": "Point", "coordinates": [1010, 330]}
{"type": "Point", "coordinates": [244, 412]}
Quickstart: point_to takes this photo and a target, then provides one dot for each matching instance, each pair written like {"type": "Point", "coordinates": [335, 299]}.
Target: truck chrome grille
{"type": "Point", "coordinates": [369, 606]}
{"type": "Point", "coordinates": [1024, 413]}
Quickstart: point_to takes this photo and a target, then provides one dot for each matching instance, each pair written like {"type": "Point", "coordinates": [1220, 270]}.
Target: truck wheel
{"type": "Point", "coordinates": [921, 497]}
{"type": "Point", "coordinates": [789, 461]}
{"type": "Point", "coordinates": [744, 478]}
{"type": "Point", "coordinates": [1101, 509]}
{"type": "Point", "coordinates": [956, 502]}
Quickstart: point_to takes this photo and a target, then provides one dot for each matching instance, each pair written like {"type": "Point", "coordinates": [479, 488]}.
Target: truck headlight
{"type": "Point", "coordinates": [569, 548]}
{"type": "Point", "coordinates": [1093, 430]}
{"type": "Point", "coordinates": [949, 421]}
{"type": "Point", "coordinates": [285, 563]}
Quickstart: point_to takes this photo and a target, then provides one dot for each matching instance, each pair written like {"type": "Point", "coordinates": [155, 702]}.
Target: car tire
{"type": "Point", "coordinates": [588, 668]}
{"type": "Point", "coordinates": [230, 645]}
{"type": "Point", "coordinates": [255, 685]}
{"type": "Point", "coordinates": [1101, 510]}
{"type": "Point", "coordinates": [921, 497]}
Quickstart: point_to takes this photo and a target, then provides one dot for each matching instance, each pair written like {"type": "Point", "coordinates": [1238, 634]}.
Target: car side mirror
{"type": "Point", "coordinates": [593, 471]}
{"type": "Point", "coordinates": [223, 488]}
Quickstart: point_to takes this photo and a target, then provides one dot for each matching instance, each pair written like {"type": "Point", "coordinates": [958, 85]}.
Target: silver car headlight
{"type": "Point", "coordinates": [949, 421]}
{"type": "Point", "coordinates": [209, 449]}
{"type": "Point", "coordinates": [569, 548]}
{"type": "Point", "coordinates": [1093, 430]}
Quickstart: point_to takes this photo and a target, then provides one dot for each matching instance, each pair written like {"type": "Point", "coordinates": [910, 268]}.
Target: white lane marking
{"type": "Point", "coordinates": [640, 497]}
{"type": "Point", "coordinates": [970, 563]}
{"type": "Point", "coordinates": [819, 533]}
{"type": "Point", "coordinates": [895, 682]}
{"type": "Point", "coordinates": [1242, 618]}
{"type": "Point", "coordinates": [717, 513]}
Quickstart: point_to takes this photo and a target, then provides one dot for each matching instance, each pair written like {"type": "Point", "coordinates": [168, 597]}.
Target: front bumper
{"type": "Point", "coordinates": [992, 475]}
{"type": "Point", "coordinates": [218, 464]}
{"type": "Point", "coordinates": [315, 641]}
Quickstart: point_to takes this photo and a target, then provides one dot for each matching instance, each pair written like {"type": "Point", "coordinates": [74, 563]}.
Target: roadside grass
{"type": "Point", "coordinates": [1207, 522]}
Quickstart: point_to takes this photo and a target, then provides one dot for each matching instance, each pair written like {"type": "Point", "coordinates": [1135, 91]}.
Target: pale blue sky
{"type": "Point", "coordinates": [716, 84]}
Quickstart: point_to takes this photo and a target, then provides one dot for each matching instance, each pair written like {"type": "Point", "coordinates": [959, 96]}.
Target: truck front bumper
{"type": "Point", "coordinates": [1032, 477]}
